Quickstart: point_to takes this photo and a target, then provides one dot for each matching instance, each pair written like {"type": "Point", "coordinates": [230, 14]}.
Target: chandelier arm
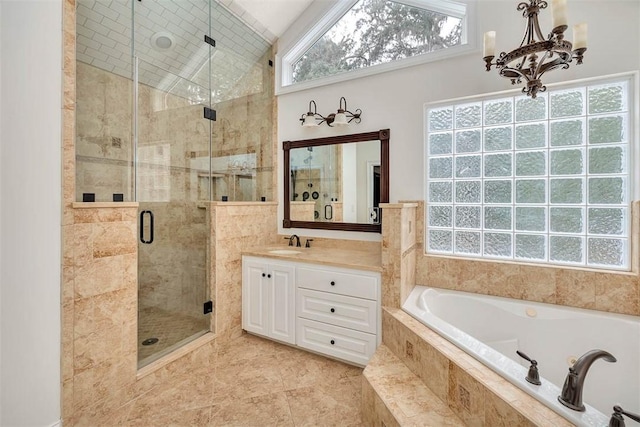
{"type": "Point", "coordinates": [514, 73]}
{"type": "Point", "coordinates": [556, 63]}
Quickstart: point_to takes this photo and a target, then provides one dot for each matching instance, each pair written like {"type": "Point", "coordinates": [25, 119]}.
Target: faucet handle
{"type": "Point", "coordinates": [617, 420]}
{"type": "Point", "coordinates": [289, 239]}
{"type": "Point", "coordinates": [532, 376]}
{"type": "Point", "coordinates": [307, 244]}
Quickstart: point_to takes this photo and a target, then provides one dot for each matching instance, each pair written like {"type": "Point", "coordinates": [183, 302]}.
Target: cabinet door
{"type": "Point", "coordinates": [282, 303]}
{"type": "Point", "coordinates": [255, 296]}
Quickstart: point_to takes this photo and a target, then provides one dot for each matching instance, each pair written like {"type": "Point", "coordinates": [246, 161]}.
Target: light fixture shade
{"type": "Point", "coordinates": [340, 119]}
{"type": "Point", "coordinates": [310, 121]}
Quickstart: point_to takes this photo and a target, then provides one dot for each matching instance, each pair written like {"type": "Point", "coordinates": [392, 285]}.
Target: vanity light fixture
{"type": "Point", "coordinates": [537, 55]}
{"type": "Point", "coordinates": [341, 118]}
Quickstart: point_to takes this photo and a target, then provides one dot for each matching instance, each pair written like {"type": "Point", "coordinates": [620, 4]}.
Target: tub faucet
{"type": "Point", "coordinates": [571, 395]}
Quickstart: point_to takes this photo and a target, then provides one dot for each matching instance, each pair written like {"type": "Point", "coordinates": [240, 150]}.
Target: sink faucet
{"type": "Point", "coordinates": [571, 395]}
{"type": "Point", "coordinates": [297, 240]}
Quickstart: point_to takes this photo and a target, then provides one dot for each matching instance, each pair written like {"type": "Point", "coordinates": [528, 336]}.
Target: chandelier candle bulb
{"type": "Point", "coordinates": [580, 36]}
{"type": "Point", "coordinates": [489, 44]}
{"type": "Point", "coordinates": [559, 11]}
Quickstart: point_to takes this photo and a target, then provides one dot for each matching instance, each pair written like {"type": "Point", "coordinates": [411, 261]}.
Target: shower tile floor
{"type": "Point", "coordinates": [254, 382]}
{"type": "Point", "coordinates": [169, 327]}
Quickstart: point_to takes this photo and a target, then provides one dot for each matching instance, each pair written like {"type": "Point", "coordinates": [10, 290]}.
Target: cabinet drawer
{"type": "Point", "coordinates": [341, 282]}
{"type": "Point", "coordinates": [345, 344]}
{"type": "Point", "coordinates": [339, 310]}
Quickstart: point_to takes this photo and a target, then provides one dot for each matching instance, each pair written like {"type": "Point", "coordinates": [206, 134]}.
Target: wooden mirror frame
{"type": "Point", "coordinates": [381, 135]}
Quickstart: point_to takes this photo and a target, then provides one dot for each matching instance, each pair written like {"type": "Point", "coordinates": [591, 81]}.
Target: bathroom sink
{"type": "Point", "coordinates": [284, 252]}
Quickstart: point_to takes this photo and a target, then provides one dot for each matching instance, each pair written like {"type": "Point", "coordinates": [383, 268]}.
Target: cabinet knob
{"type": "Point", "coordinates": [333, 283]}
{"type": "Point", "coordinates": [332, 342]}
{"type": "Point", "coordinates": [263, 275]}
{"type": "Point", "coordinates": [333, 310]}
{"type": "Point", "coordinates": [268, 276]}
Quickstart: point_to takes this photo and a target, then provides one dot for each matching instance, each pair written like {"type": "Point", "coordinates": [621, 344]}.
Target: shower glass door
{"type": "Point", "coordinates": [172, 159]}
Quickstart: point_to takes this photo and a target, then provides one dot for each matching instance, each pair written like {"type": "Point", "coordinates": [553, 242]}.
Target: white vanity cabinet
{"type": "Point", "coordinates": [329, 310]}
{"type": "Point", "coordinates": [268, 298]}
{"type": "Point", "coordinates": [338, 312]}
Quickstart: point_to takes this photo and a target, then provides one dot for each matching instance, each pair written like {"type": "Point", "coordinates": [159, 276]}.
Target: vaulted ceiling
{"type": "Point", "coordinates": [169, 39]}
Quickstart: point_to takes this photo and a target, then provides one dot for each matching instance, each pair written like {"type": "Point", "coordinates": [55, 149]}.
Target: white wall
{"type": "Point", "coordinates": [30, 190]}
{"type": "Point", "coordinates": [395, 99]}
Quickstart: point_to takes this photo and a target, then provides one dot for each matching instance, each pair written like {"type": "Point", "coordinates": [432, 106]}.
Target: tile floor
{"type": "Point", "coordinates": [255, 382]}
{"type": "Point", "coordinates": [169, 327]}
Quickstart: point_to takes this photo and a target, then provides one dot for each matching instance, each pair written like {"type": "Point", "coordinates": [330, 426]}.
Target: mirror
{"type": "Point", "coordinates": [337, 182]}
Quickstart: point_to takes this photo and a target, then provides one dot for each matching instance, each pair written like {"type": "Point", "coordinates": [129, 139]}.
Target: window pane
{"type": "Point", "coordinates": [566, 191]}
{"type": "Point", "coordinates": [497, 165]}
{"type": "Point", "coordinates": [468, 216]}
{"type": "Point", "coordinates": [530, 191]}
{"type": "Point", "coordinates": [468, 166]}
{"type": "Point", "coordinates": [440, 240]}
{"type": "Point", "coordinates": [567, 103]}
{"type": "Point", "coordinates": [497, 191]}
{"type": "Point", "coordinates": [440, 192]}
{"type": "Point", "coordinates": [565, 249]}
{"type": "Point", "coordinates": [604, 160]}
{"type": "Point", "coordinates": [566, 220]}
{"type": "Point", "coordinates": [468, 191]}
{"type": "Point", "coordinates": [441, 119]}
{"type": "Point", "coordinates": [606, 251]}
{"type": "Point", "coordinates": [606, 191]}
{"type": "Point", "coordinates": [440, 167]}
{"type": "Point", "coordinates": [604, 130]}
{"type": "Point", "coordinates": [498, 139]}
{"type": "Point", "coordinates": [530, 246]}
{"type": "Point", "coordinates": [497, 244]}
{"type": "Point", "coordinates": [531, 136]}
{"type": "Point", "coordinates": [566, 162]}
{"type": "Point", "coordinates": [468, 116]}
{"type": "Point", "coordinates": [498, 112]}
{"type": "Point", "coordinates": [531, 219]}
{"type": "Point", "coordinates": [440, 143]}
{"type": "Point", "coordinates": [606, 221]}
{"type": "Point", "coordinates": [566, 132]}
{"type": "Point", "coordinates": [468, 242]}
{"type": "Point", "coordinates": [497, 218]}
{"type": "Point", "coordinates": [606, 99]}
{"type": "Point", "coordinates": [531, 164]}
{"type": "Point", "coordinates": [531, 109]}
{"type": "Point", "coordinates": [440, 216]}
{"type": "Point", "coordinates": [468, 141]}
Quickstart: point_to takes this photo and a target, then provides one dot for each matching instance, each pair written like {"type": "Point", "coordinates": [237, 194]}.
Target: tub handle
{"type": "Point", "coordinates": [533, 376]}
{"type": "Point", "coordinates": [616, 418]}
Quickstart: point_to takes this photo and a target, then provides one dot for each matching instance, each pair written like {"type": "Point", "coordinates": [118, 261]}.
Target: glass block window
{"type": "Point", "coordinates": [543, 180]}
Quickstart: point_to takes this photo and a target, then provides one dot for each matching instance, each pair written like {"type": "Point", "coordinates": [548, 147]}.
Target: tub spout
{"type": "Point", "coordinates": [571, 395]}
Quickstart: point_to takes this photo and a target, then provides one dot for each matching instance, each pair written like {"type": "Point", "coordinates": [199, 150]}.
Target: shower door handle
{"type": "Point", "coordinates": [142, 239]}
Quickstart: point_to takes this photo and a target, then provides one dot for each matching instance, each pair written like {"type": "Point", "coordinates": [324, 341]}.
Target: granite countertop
{"type": "Point", "coordinates": [336, 257]}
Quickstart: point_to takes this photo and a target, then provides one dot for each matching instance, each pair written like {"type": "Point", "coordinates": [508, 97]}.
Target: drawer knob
{"type": "Point", "coordinates": [332, 342]}
{"type": "Point", "coordinates": [333, 310]}
{"type": "Point", "coordinates": [268, 276]}
{"type": "Point", "coordinates": [263, 275]}
{"type": "Point", "coordinates": [333, 283]}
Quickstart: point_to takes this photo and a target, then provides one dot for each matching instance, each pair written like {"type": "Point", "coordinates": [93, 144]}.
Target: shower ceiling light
{"type": "Point", "coordinates": [340, 118]}
{"type": "Point", "coordinates": [162, 41]}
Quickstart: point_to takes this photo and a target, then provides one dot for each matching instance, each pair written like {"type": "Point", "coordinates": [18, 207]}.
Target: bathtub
{"type": "Point", "coordinates": [491, 329]}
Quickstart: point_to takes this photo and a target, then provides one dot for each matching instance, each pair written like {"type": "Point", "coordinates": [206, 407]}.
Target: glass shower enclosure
{"type": "Point", "coordinates": [174, 110]}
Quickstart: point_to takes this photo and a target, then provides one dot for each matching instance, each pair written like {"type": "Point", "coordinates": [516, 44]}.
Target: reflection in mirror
{"type": "Point", "coordinates": [336, 182]}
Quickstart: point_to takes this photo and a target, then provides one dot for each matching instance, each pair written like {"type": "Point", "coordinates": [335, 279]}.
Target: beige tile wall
{"type": "Point", "coordinates": [235, 227]}
{"type": "Point", "coordinates": [398, 252]}
{"type": "Point", "coordinates": [617, 292]}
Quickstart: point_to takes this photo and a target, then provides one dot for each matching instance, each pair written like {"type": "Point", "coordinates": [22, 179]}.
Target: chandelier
{"type": "Point", "coordinates": [537, 54]}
